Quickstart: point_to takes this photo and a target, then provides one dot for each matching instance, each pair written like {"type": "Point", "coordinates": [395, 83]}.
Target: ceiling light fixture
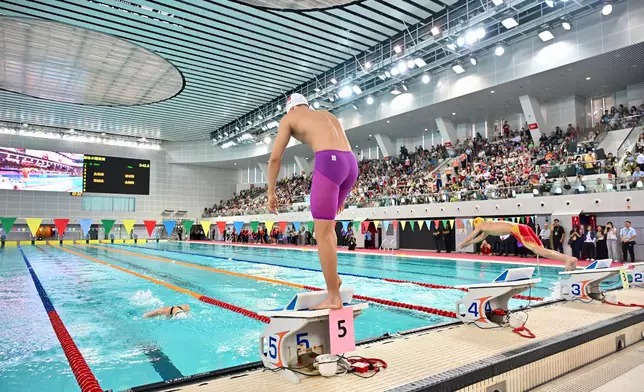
{"type": "Point", "coordinates": [370, 100]}
{"type": "Point", "coordinates": [550, 3]}
{"type": "Point", "coordinates": [367, 65]}
{"type": "Point", "coordinates": [492, 92]}
{"type": "Point", "coordinates": [460, 41]}
{"type": "Point", "coordinates": [435, 31]}
{"type": "Point", "coordinates": [402, 67]}
{"type": "Point", "coordinates": [509, 22]}
{"type": "Point", "coordinates": [499, 50]}
{"type": "Point", "coordinates": [588, 78]}
{"type": "Point", "coordinates": [316, 105]}
{"type": "Point", "coordinates": [480, 32]}
{"type": "Point", "coordinates": [419, 62]}
{"type": "Point", "coordinates": [471, 37]}
{"type": "Point", "coordinates": [607, 9]}
{"type": "Point", "coordinates": [395, 91]}
{"type": "Point", "coordinates": [458, 68]}
{"type": "Point", "coordinates": [566, 23]}
{"type": "Point", "coordinates": [426, 78]}
{"type": "Point", "coordinates": [394, 71]}
{"type": "Point", "coordinates": [345, 92]}
{"type": "Point", "coordinates": [317, 89]}
{"type": "Point", "coordinates": [279, 107]}
{"type": "Point", "coordinates": [410, 64]}
{"type": "Point", "coordinates": [546, 35]}
{"type": "Point", "coordinates": [397, 49]}
{"type": "Point", "coordinates": [357, 89]}
{"type": "Point", "coordinates": [473, 60]}
{"type": "Point", "coordinates": [404, 86]}
{"type": "Point", "coordinates": [267, 140]}
{"type": "Point", "coordinates": [451, 46]}
{"type": "Point", "coordinates": [387, 74]}
{"type": "Point", "coordinates": [334, 81]}
{"type": "Point", "coordinates": [354, 106]}
{"type": "Point", "coordinates": [497, 2]}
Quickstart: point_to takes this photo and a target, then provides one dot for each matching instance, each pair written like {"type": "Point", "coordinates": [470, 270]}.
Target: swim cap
{"type": "Point", "coordinates": [181, 315]}
{"type": "Point", "coordinates": [295, 100]}
{"type": "Point", "coordinates": [477, 221]}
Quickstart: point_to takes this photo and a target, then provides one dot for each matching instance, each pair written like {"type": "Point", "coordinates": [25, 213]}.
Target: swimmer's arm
{"type": "Point", "coordinates": [158, 312]}
{"type": "Point", "coordinates": [281, 140]}
{"type": "Point", "coordinates": [468, 240]}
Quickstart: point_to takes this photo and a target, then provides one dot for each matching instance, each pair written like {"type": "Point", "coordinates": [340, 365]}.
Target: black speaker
{"type": "Point", "coordinates": [572, 147]}
{"type": "Point", "coordinates": [600, 154]}
{"type": "Point", "coordinates": [570, 171]}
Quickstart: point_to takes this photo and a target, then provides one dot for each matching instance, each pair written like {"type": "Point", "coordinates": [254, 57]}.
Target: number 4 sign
{"type": "Point", "coordinates": [341, 334]}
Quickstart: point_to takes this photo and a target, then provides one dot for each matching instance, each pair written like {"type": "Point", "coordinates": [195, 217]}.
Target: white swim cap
{"type": "Point", "coordinates": [295, 100]}
{"type": "Point", "coordinates": [181, 315]}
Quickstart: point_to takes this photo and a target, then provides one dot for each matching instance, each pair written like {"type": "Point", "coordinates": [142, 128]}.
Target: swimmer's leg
{"type": "Point", "coordinates": [569, 261]}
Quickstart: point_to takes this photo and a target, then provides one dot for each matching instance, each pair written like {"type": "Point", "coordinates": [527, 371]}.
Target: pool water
{"type": "Point", "coordinates": [102, 306]}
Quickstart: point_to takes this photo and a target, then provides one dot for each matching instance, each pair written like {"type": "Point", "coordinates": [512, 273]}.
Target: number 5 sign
{"type": "Point", "coordinates": [341, 333]}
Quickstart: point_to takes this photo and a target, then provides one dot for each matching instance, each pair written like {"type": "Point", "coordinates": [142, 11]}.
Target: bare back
{"type": "Point", "coordinates": [319, 129]}
{"type": "Point", "coordinates": [496, 228]}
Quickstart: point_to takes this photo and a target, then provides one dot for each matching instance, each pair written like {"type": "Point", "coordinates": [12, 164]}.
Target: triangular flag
{"type": "Point", "coordinates": [238, 226]}
{"type": "Point", "coordinates": [254, 225]}
{"type": "Point", "coordinates": [345, 225]}
{"type": "Point", "coordinates": [187, 225]}
{"type": "Point", "coordinates": [403, 224]}
{"type": "Point", "coordinates": [34, 224]}
{"type": "Point", "coordinates": [412, 224]}
{"type": "Point", "coordinates": [451, 223]}
{"type": "Point", "coordinates": [500, 219]}
{"type": "Point", "coordinates": [428, 223]}
{"type": "Point", "coordinates": [61, 225]}
{"type": "Point", "coordinates": [296, 226]}
{"type": "Point", "coordinates": [420, 224]}
{"type": "Point", "coordinates": [221, 226]}
{"type": "Point", "coordinates": [282, 225]}
{"type": "Point", "coordinates": [365, 226]}
{"type": "Point", "coordinates": [356, 225]}
{"type": "Point", "coordinates": [205, 225]}
{"type": "Point", "coordinates": [85, 224]}
{"type": "Point", "coordinates": [269, 224]}
{"type": "Point", "coordinates": [518, 219]}
{"type": "Point", "coordinates": [108, 224]}
{"type": "Point", "coordinates": [7, 223]}
{"type": "Point", "coordinates": [169, 226]}
{"type": "Point", "coordinates": [527, 218]}
{"type": "Point", "coordinates": [151, 224]}
{"type": "Point", "coordinates": [444, 223]}
{"type": "Point", "coordinates": [376, 223]}
{"type": "Point", "coordinates": [129, 225]}
{"type": "Point", "coordinates": [311, 226]}
{"type": "Point", "coordinates": [385, 224]}
{"type": "Point", "coordinates": [395, 223]}
{"type": "Point", "coordinates": [437, 223]}
{"type": "Point", "coordinates": [459, 224]}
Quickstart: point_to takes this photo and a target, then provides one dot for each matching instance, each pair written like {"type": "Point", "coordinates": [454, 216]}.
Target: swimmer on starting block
{"type": "Point", "coordinates": [178, 311]}
{"type": "Point", "coordinates": [523, 233]}
{"type": "Point", "coordinates": [335, 172]}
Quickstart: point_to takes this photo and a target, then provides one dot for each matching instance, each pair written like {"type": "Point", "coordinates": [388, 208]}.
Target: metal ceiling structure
{"type": "Point", "coordinates": [235, 58]}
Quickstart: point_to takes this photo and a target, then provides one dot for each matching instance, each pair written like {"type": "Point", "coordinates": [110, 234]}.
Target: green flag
{"type": "Point", "coordinates": [108, 224]}
{"type": "Point", "coordinates": [254, 225]}
{"type": "Point", "coordinates": [356, 226]}
{"type": "Point", "coordinates": [311, 225]}
{"type": "Point", "coordinates": [412, 224]}
{"type": "Point", "coordinates": [7, 224]}
{"type": "Point", "coordinates": [187, 224]}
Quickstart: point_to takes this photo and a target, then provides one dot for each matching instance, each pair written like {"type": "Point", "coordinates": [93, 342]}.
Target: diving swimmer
{"type": "Point", "coordinates": [178, 311]}
{"type": "Point", "coordinates": [335, 172]}
{"type": "Point", "coordinates": [523, 233]}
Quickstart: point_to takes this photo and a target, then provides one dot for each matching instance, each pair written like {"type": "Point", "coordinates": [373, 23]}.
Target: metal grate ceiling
{"type": "Point", "coordinates": [234, 57]}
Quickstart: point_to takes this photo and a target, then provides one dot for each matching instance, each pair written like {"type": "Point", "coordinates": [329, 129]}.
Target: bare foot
{"type": "Point", "coordinates": [328, 304]}
{"type": "Point", "coordinates": [571, 264]}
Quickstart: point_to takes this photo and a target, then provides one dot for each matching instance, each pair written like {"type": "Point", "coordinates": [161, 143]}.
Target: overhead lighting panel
{"type": "Point", "coordinates": [546, 35]}
{"type": "Point", "coordinates": [395, 91]}
{"type": "Point", "coordinates": [607, 9]}
{"type": "Point", "coordinates": [497, 2]}
{"type": "Point", "coordinates": [419, 62]}
{"type": "Point", "coordinates": [499, 50]}
{"type": "Point", "coordinates": [451, 46]}
{"type": "Point", "coordinates": [509, 22]}
{"type": "Point", "coordinates": [458, 68]}
{"type": "Point", "coordinates": [435, 31]}
{"type": "Point", "coordinates": [357, 89]}
{"type": "Point", "coordinates": [370, 100]}
{"type": "Point", "coordinates": [550, 3]}
{"type": "Point", "coordinates": [426, 79]}
{"type": "Point", "coordinates": [397, 49]}
{"type": "Point", "coordinates": [345, 92]}
{"type": "Point", "coordinates": [473, 60]}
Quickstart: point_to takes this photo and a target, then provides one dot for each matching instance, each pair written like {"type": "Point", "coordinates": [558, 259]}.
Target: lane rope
{"type": "Point", "coordinates": [84, 376]}
{"type": "Point", "coordinates": [200, 297]}
{"type": "Point", "coordinates": [421, 284]}
{"type": "Point", "coordinates": [396, 304]}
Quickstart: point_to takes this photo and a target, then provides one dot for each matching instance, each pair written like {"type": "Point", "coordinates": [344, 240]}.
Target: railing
{"type": "Point", "coordinates": [391, 247]}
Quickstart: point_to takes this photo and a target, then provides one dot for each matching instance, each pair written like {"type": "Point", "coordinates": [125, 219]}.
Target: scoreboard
{"type": "Point", "coordinates": [103, 174]}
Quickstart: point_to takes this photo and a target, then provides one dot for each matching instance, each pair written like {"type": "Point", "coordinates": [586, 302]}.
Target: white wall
{"type": "Point", "coordinates": [175, 187]}
{"type": "Point", "coordinates": [613, 140]}
{"type": "Point", "coordinates": [634, 94]}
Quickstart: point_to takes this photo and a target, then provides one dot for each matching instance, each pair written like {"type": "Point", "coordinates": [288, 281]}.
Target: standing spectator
{"type": "Point", "coordinates": [589, 243]}
{"type": "Point", "coordinates": [575, 242]}
{"type": "Point", "coordinates": [602, 249]}
{"type": "Point", "coordinates": [640, 159]}
{"type": "Point", "coordinates": [437, 238]}
{"type": "Point", "coordinates": [558, 236]}
{"type": "Point", "coordinates": [506, 129]}
{"type": "Point", "coordinates": [611, 241]}
{"type": "Point", "coordinates": [367, 239]}
{"type": "Point", "coordinates": [446, 233]}
{"type": "Point", "coordinates": [628, 235]}
{"type": "Point", "coordinates": [544, 234]}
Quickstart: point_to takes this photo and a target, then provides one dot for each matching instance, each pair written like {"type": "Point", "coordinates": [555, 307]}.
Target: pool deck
{"type": "Point", "coordinates": [422, 359]}
{"type": "Point", "coordinates": [412, 253]}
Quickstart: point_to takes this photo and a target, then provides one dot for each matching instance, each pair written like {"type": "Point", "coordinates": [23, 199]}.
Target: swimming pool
{"type": "Point", "coordinates": [101, 306]}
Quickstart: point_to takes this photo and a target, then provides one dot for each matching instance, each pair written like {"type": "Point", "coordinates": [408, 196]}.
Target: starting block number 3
{"type": "Point", "coordinates": [341, 330]}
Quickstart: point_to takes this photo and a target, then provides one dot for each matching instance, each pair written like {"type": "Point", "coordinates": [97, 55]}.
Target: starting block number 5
{"type": "Point", "coordinates": [341, 330]}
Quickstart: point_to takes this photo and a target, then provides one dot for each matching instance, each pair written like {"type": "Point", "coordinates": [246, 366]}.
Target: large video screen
{"type": "Point", "coordinates": [37, 170]}
{"type": "Point", "coordinates": [103, 174]}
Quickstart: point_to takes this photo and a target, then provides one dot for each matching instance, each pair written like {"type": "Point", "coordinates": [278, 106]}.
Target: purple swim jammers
{"type": "Point", "coordinates": [333, 177]}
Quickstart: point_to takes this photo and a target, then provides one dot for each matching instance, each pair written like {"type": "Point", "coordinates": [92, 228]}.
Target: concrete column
{"type": "Point", "coordinates": [534, 117]}
{"type": "Point", "coordinates": [447, 130]}
{"type": "Point", "coordinates": [264, 168]}
{"type": "Point", "coordinates": [302, 164]}
{"type": "Point", "coordinates": [386, 146]}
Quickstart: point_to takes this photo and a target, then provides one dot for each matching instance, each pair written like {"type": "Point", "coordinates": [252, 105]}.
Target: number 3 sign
{"type": "Point", "coordinates": [341, 333]}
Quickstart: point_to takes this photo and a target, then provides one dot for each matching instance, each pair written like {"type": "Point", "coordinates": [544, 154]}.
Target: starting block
{"type": "Point", "coordinates": [485, 301]}
{"type": "Point", "coordinates": [296, 335]}
{"type": "Point", "coordinates": [637, 274]}
{"type": "Point", "coordinates": [584, 284]}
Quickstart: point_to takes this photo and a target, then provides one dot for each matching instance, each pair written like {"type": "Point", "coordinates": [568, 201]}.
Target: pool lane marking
{"type": "Point", "coordinates": [84, 376]}
{"type": "Point", "coordinates": [396, 304]}
{"type": "Point", "coordinates": [421, 284]}
{"type": "Point", "coordinates": [198, 296]}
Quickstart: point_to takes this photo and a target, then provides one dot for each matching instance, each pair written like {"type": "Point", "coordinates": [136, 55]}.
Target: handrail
{"type": "Point", "coordinates": [626, 139]}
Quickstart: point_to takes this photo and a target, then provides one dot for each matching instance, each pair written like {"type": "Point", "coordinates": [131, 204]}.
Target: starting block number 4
{"type": "Point", "coordinates": [341, 331]}
{"type": "Point", "coordinates": [474, 308]}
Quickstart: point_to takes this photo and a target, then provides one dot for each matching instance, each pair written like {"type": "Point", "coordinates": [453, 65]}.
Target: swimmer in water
{"type": "Point", "coordinates": [335, 172]}
{"type": "Point", "coordinates": [523, 233]}
{"type": "Point", "coordinates": [178, 311]}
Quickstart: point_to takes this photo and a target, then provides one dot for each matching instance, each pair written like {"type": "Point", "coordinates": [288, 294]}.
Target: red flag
{"type": "Point", "coordinates": [501, 219]}
{"type": "Point", "coordinates": [365, 226]}
{"type": "Point", "coordinates": [527, 219]}
{"type": "Point", "coordinates": [61, 225]}
{"type": "Point", "coordinates": [149, 226]}
{"type": "Point", "coordinates": [221, 226]}
{"type": "Point", "coordinates": [437, 223]}
{"type": "Point", "coordinates": [282, 226]}
{"type": "Point", "coordinates": [395, 223]}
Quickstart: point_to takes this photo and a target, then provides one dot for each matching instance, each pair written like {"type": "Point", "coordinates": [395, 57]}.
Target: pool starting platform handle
{"type": "Point", "coordinates": [487, 303]}
{"type": "Point", "coordinates": [296, 335]}
{"type": "Point", "coordinates": [584, 284]}
{"type": "Point", "coordinates": [637, 274]}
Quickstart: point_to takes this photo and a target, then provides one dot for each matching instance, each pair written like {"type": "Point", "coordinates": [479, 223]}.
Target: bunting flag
{"type": "Point", "coordinates": [221, 226]}
{"type": "Point", "coordinates": [296, 226]}
{"type": "Point", "coordinates": [311, 226]}
{"type": "Point", "coordinates": [282, 225]}
{"type": "Point", "coordinates": [365, 226]}
{"type": "Point", "coordinates": [527, 218]}
{"type": "Point", "coordinates": [151, 224]}
{"type": "Point", "coordinates": [169, 225]}
{"type": "Point", "coordinates": [238, 226]}
{"type": "Point", "coordinates": [437, 223]}
{"type": "Point", "coordinates": [187, 225]}
{"type": "Point", "coordinates": [500, 219]}
{"type": "Point", "coordinates": [403, 224]}
{"type": "Point", "coordinates": [33, 224]}
{"type": "Point", "coordinates": [376, 223]}
{"type": "Point", "coordinates": [205, 225]}
{"type": "Point", "coordinates": [428, 223]}
{"type": "Point", "coordinates": [85, 224]}
{"type": "Point", "coordinates": [385, 224]}
{"type": "Point", "coordinates": [129, 225]}
{"type": "Point", "coordinates": [451, 223]}
{"type": "Point", "coordinates": [420, 224]}
{"type": "Point", "coordinates": [108, 224]}
{"type": "Point", "coordinates": [459, 224]}
{"type": "Point", "coordinates": [412, 224]}
{"type": "Point", "coordinates": [345, 225]}
{"type": "Point", "coordinates": [395, 223]}
{"type": "Point", "coordinates": [356, 225]}
{"type": "Point", "coordinates": [518, 219]}
{"type": "Point", "coordinates": [61, 225]}
{"type": "Point", "coordinates": [444, 223]}
{"type": "Point", "coordinates": [254, 225]}
{"type": "Point", "coordinates": [7, 223]}
{"type": "Point", "coordinates": [269, 224]}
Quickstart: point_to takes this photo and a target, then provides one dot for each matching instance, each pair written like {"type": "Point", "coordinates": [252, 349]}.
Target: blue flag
{"type": "Point", "coordinates": [169, 225]}
{"type": "Point", "coordinates": [85, 225]}
{"type": "Point", "coordinates": [386, 225]}
{"type": "Point", "coordinates": [345, 225]}
{"type": "Point", "coordinates": [297, 226]}
{"type": "Point", "coordinates": [238, 226]}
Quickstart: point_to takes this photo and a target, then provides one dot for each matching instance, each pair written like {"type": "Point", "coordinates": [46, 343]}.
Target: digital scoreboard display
{"type": "Point", "coordinates": [103, 174]}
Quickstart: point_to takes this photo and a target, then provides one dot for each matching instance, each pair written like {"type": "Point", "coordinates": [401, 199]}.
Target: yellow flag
{"type": "Point", "coordinates": [269, 224]}
{"type": "Point", "coordinates": [128, 224]}
{"type": "Point", "coordinates": [34, 224]}
{"type": "Point", "coordinates": [403, 224]}
{"type": "Point", "coordinates": [420, 224]}
{"type": "Point", "coordinates": [451, 223]}
{"type": "Point", "coordinates": [206, 227]}
{"type": "Point", "coordinates": [376, 223]}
